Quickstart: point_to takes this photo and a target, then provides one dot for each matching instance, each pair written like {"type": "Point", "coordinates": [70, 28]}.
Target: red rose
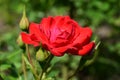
{"type": "Point", "coordinates": [60, 35]}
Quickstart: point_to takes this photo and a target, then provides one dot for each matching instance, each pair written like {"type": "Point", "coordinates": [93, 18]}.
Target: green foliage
{"type": "Point", "coordinates": [103, 16]}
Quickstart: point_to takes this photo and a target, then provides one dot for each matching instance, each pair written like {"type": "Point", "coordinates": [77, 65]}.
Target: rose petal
{"type": "Point", "coordinates": [72, 50]}
{"type": "Point", "coordinates": [59, 43]}
{"type": "Point", "coordinates": [86, 49]}
{"type": "Point", "coordinates": [60, 20]}
{"type": "Point", "coordinates": [81, 40]}
{"type": "Point", "coordinates": [46, 25]}
{"type": "Point", "coordinates": [35, 29]}
{"type": "Point", "coordinates": [59, 51]}
{"type": "Point", "coordinates": [67, 18]}
{"type": "Point", "coordinates": [26, 39]}
{"type": "Point", "coordinates": [86, 31]}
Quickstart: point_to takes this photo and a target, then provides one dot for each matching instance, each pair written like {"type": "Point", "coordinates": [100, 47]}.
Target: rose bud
{"type": "Point", "coordinates": [60, 35]}
{"type": "Point", "coordinates": [24, 23]}
{"type": "Point", "coordinates": [41, 55]}
{"type": "Point", "coordinates": [19, 41]}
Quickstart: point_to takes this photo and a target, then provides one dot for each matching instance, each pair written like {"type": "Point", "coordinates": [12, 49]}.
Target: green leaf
{"type": "Point", "coordinates": [49, 79]}
{"type": "Point", "coordinates": [53, 73]}
{"type": "Point", "coordinates": [4, 67]}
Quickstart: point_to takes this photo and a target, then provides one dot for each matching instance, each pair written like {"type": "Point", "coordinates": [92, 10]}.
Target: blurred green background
{"type": "Point", "coordinates": [103, 16]}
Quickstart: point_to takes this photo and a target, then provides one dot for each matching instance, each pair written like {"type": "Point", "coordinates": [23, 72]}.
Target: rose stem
{"type": "Point", "coordinates": [23, 67]}
{"type": "Point", "coordinates": [28, 55]}
{"type": "Point", "coordinates": [46, 66]}
{"type": "Point", "coordinates": [78, 68]}
{"type": "Point", "coordinates": [30, 60]}
{"type": "Point", "coordinates": [84, 63]}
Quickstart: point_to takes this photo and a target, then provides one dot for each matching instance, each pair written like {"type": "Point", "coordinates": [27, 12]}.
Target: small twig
{"type": "Point", "coordinates": [24, 67]}
{"type": "Point", "coordinates": [64, 72]}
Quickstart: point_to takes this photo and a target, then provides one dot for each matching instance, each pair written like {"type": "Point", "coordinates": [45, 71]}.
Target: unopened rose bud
{"type": "Point", "coordinates": [19, 41]}
{"type": "Point", "coordinates": [41, 55]}
{"type": "Point", "coordinates": [24, 23]}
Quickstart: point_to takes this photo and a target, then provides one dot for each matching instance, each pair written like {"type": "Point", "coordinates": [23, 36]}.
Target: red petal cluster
{"type": "Point", "coordinates": [60, 35]}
